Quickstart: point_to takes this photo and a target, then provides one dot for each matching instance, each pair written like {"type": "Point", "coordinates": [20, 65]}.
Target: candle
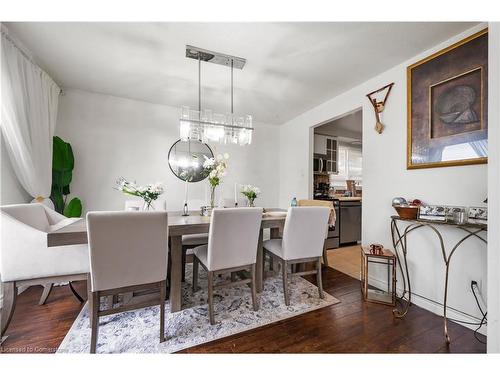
{"type": "Point", "coordinates": [186, 192]}
{"type": "Point", "coordinates": [235, 193]}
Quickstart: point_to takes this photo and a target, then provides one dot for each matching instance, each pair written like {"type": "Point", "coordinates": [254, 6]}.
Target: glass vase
{"type": "Point", "coordinates": [148, 206]}
{"type": "Point", "coordinates": [212, 195]}
{"type": "Point", "coordinates": [251, 202]}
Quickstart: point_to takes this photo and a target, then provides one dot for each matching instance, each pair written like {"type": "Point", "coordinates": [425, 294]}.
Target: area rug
{"type": "Point", "coordinates": [138, 331]}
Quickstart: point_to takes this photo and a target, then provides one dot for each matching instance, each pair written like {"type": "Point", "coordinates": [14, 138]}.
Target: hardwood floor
{"type": "Point", "coordinates": [351, 326]}
{"type": "Point", "coordinates": [346, 260]}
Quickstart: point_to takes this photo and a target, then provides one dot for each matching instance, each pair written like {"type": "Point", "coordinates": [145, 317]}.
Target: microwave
{"type": "Point", "coordinates": [319, 164]}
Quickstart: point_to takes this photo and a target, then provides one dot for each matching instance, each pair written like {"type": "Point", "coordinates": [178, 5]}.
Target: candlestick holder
{"type": "Point", "coordinates": [185, 211]}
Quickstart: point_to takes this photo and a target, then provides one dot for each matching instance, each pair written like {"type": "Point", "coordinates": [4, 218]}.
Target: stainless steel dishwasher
{"type": "Point", "coordinates": [350, 222]}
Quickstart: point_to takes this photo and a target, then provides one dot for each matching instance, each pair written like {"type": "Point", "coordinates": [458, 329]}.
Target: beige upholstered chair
{"type": "Point", "coordinates": [26, 260]}
{"type": "Point", "coordinates": [128, 252]}
{"type": "Point", "coordinates": [331, 220]}
{"type": "Point", "coordinates": [303, 240]}
{"type": "Point", "coordinates": [232, 247]}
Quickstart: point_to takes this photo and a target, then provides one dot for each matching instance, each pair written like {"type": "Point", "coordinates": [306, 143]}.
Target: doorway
{"type": "Point", "coordinates": [338, 177]}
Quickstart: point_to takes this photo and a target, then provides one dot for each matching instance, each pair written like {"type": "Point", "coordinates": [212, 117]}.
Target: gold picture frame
{"type": "Point", "coordinates": [441, 68]}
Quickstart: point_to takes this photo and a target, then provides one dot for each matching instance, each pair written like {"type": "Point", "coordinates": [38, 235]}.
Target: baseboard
{"type": "Point", "coordinates": [434, 306]}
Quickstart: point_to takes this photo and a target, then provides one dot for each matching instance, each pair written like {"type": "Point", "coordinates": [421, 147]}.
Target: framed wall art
{"type": "Point", "coordinates": [448, 106]}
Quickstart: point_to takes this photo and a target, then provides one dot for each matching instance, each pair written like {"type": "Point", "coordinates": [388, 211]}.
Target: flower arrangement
{"type": "Point", "coordinates": [148, 193]}
{"type": "Point", "coordinates": [251, 193]}
{"type": "Point", "coordinates": [215, 168]}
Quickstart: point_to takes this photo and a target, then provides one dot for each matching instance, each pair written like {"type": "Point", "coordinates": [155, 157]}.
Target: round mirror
{"type": "Point", "coordinates": [186, 159]}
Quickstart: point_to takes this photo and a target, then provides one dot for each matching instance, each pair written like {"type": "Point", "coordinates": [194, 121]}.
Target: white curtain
{"type": "Point", "coordinates": [29, 109]}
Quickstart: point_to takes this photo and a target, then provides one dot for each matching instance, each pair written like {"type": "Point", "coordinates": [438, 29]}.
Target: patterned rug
{"type": "Point", "coordinates": [138, 331]}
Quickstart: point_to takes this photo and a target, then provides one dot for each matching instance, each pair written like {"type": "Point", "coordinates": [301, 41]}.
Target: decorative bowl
{"type": "Point", "coordinates": [407, 212]}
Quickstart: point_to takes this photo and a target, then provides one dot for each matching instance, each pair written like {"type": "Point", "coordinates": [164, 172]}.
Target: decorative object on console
{"type": "Point", "coordinates": [63, 163]}
{"type": "Point", "coordinates": [216, 169]}
{"type": "Point", "coordinates": [431, 212]}
{"type": "Point", "coordinates": [448, 106]}
{"type": "Point", "coordinates": [148, 193]}
{"type": "Point", "coordinates": [376, 248]}
{"type": "Point", "coordinates": [477, 213]}
{"type": "Point", "coordinates": [379, 105]}
{"type": "Point", "coordinates": [456, 215]}
{"type": "Point", "coordinates": [399, 201]}
{"type": "Point", "coordinates": [251, 193]}
{"type": "Point", "coordinates": [407, 212]}
{"type": "Point", "coordinates": [203, 125]}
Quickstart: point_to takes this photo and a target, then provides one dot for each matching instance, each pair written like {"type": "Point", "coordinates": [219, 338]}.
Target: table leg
{"type": "Point", "coordinates": [259, 271]}
{"type": "Point", "coordinates": [175, 273]}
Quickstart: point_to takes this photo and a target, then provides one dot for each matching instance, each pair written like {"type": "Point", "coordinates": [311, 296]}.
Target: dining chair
{"type": "Point", "coordinates": [302, 242]}
{"type": "Point", "coordinates": [26, 260]}
{"type": "Point", "coordinates": [232, 247]}
{"type": "Point", "coordinates": [128, 253]}
{"type": "Point", "coordinates": [331, 219]}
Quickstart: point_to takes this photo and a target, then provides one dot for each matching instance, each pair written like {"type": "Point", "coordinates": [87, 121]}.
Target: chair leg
{"type": "Point", "coordinates": [9, 304]}
{"type": "Point", "coordinates": [254, 289]}
{"type": "Point", "coordinates": [75, 293]}
{"type": "Point", "coordinates": [47, 288]}
{"type": "Point", "coordinates": [211, 297]}
{"type": "Point", "coordinates": [325, 256]}
{"type": "Point", "coordinates": [319, 280]}
{"type": "Point", "coordinates": [195, 273]}
{"type": "Point", "coordinates": [93, 299]}
{"type": "Point", "coordinates": [163, 296]}
{"type": "Point", "coordinates": [284, 270]}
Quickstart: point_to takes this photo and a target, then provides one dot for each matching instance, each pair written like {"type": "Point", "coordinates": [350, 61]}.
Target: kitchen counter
{"type": "Point", "coordinates": [349, 199]}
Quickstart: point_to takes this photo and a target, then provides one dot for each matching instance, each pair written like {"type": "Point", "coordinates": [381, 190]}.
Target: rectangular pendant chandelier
{"type": "Point", "coordinates": [203, 124]}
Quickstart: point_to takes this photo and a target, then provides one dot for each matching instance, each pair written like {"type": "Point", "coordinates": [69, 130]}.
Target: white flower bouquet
{"type": "Point", "coordinates": [251, 193]}
{"type": "Point", "coordinates": [215, 168]}
{"type": "Point", "coordinates": [148, 193]}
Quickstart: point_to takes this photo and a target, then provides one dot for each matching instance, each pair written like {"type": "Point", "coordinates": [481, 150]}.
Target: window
{"type": "Point", "coordinates": [349, 165]}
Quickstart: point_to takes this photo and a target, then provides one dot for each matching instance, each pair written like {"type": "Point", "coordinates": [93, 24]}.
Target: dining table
{"type": "Point", "coordinates": [179, 225]}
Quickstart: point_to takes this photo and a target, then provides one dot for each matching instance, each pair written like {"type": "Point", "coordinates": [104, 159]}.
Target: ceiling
{"type": "Point", "coordinates": [291, 67]}
{"type": "Point", "coordinates": [350, 125]}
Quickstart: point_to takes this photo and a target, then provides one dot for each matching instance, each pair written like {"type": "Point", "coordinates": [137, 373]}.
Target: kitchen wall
{"type": "Point", "coordinates": [113, 137]}
{"type": "Point", "coordinates": [11, 191]}
{"type": "Point", "coordinates": [385, 176]}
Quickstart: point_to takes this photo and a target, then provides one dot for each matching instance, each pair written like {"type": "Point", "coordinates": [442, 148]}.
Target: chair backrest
{"type": "Point", "coordinates": [233, 237]}
{"type": "Point", "coordinates": [138, 205]}
{"type": "Point", "coordinates": [32, 214]}
{"type": "Point", "coordinates": [304, 232]}
{"type": "Point", "coordinates": [332, 218]}
{"type": "Point", "coordinates": [127, 248]}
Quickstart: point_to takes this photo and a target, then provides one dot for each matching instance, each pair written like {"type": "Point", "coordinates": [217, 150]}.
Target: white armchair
{"type": "Point", "coordinates": [25, 258]}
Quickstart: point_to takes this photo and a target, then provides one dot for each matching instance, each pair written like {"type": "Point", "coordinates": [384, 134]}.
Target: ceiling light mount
{"type": "Point", "coordinates": [214, 57]}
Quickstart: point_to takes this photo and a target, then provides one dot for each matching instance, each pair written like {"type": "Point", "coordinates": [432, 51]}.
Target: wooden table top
{"type": "Point", "coordinates": [178, 225]}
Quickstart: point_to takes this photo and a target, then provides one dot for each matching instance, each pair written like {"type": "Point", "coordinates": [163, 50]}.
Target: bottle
{"type": "Point", "coordinates": [294, 202]}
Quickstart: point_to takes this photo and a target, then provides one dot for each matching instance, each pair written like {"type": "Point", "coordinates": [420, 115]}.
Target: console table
{"type": "Point", "coordinates": [399, 240]}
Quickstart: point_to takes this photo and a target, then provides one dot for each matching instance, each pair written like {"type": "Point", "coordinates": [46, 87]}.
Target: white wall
{"type": "Point", "coordinates": [493, 188]}
{"type": "Point", "coordinates": [11, 190]}
{"type": "Point", "coordinates": [113, 137]}
{"type": "Point", "coordinates": [385, 176]}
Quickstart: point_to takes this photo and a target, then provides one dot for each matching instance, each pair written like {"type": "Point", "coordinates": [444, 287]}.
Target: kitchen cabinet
{"type": "Point", "coordinates": [320, 144]}
{"type": "Point", "coordinates": [327, 147]}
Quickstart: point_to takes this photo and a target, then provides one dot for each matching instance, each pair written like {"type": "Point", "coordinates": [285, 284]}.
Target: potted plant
{"type": "Point", "coordinates": [148, 193]}
{"type": "Point", "coordinates": [251, 193]}
{"type": "Point", "coordinates": [215, 168]}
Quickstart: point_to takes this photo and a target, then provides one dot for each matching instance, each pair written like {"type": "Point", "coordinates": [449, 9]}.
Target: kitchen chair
{"type": "Point", "coordinates": [128, 253]}
{"type": "Point", "coordinates": [331, 220]}
{"type": "Point", "coordinates": [26, 260]}
{"type": "Point", "coordinates": [232, 247]}
{"type": "Point", "coordinates": [302, 242]}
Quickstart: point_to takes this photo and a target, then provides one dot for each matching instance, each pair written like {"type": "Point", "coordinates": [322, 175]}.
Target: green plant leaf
{"type": "Point", "coordinates": [66, 190]}
{"type": "Point", "coordinates": [58, 200]}
{"type": "Point", "coordinates": [62, 156]}
{"type": "Point", "coordinates": [73, 208]}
